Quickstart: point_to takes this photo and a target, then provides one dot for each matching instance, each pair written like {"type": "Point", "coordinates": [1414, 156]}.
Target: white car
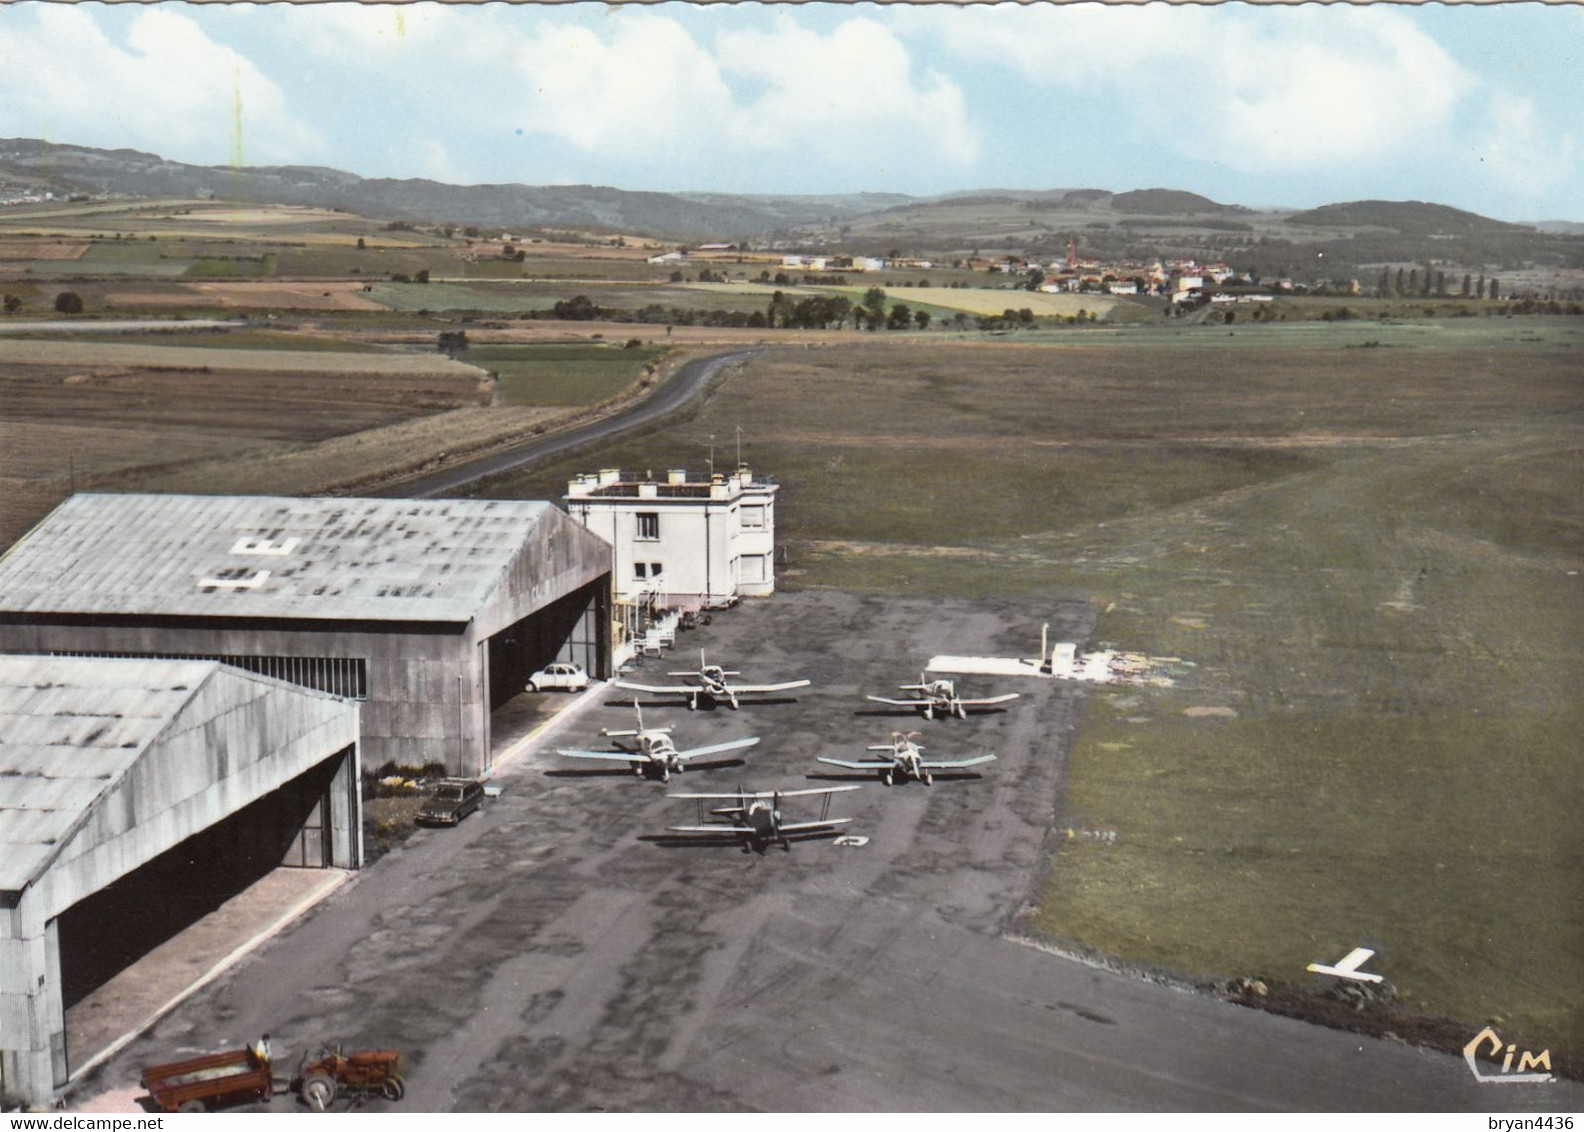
{"type": "Point", "coordinates": [567, 677]}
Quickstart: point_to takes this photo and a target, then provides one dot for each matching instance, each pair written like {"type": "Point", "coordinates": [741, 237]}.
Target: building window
{"type": "Point", "coordinates": [639, 570]}
{"type": "Point", "coordinates": [648, 524]}
{"type": "Point", "coordinates": [345, 676]}
{"type": "Point", "coordinates": [753, 518]}
{"type": "Point", "coordinates": [655, 569]}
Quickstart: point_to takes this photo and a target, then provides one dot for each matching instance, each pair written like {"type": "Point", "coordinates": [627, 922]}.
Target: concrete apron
{"type": "Point", "coordinates": [110, 1017]}
{"type": "Point", "coordinates": [542, 729]}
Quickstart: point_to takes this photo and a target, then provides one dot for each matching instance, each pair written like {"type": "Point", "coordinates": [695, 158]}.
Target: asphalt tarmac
{"type": "Point", "coordinates": [558, 952]}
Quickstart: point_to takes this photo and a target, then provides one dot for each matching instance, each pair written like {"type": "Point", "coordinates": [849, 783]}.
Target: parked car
{"type": "Point", "coordinates": [567, 677]}
{"type": "Point", "coordinates": [453, 800]}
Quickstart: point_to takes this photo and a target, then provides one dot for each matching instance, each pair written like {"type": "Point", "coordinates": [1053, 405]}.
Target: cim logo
{"type": "Point", "coordinates": [1527, 1061]}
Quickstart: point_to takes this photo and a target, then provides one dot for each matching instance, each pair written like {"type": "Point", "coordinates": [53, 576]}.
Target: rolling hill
{"type": "Point", "coordinates": [1139, 224]}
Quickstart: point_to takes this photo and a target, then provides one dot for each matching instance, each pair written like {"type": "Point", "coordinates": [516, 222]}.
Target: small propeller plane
{"type": "Point", "coordinates": [939, 697]}
{"type": "Point", "coordinates": [906, 760]}
{"type": "Point", "coordinates": [654, 750]}
{"type": "Point", "coordinates": [710, 686]}
{"type": "Point", "coordinates": [756, 816]}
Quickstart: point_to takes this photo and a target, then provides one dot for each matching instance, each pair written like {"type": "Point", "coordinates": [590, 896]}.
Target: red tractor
{"type": "Point", "coordinates": [331, 1073]}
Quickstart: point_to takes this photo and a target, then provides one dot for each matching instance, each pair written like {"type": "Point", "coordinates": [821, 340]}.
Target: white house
{"type": "Point", "coordinates": [683, 542]}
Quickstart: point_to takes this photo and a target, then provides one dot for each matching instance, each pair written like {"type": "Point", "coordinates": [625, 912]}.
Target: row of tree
{"type": "Point", "coordinates": [1433, 282]}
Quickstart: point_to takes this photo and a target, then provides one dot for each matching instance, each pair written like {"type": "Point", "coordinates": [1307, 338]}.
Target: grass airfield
{"type": "Point", "coordinates": [1364, 535]}
{"type": "Point", "coordinates": [1370, 555]}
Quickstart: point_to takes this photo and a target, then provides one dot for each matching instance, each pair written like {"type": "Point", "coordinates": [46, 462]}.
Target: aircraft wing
{"type": "Point", "coordinates": [717, 748]}
{"type": "Point", "coordinates": [813, 790]}
{"type": "Point", "coordinates": [656, 689]}
{"type": "Point", "coordinates": [803, 826]}
{"type": "Point", "coordinates": [985, 666]}
{"type": "Point", "coordinates": [855, 764]}
{"type": "Point", "coordinates": [740, 796]}
{"type": "Point", "coordinates": [757, 689]}
{"type": "Point", "coordinates": [952, 764]}
{"type": "Point", "coordinates": [900, 703]}
{"type": "Point", "coordinates": [991, 700]}
{"type": "Point", "coordinates": [717, 827]}
{"type": "Point", "coordinates": [615, 756]}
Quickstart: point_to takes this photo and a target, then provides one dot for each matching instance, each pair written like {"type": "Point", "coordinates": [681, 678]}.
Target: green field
{"type": "Point", "coordinates": [160, 350]}
{"type": "Point", "coordinates": [222, 340]}
{"type": "Point", "coordinates": [1367, 540]}
{"type": "Point", "coordinates": [556, 374]}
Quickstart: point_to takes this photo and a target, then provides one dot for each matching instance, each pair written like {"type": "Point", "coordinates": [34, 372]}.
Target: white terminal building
{"type": "Point", "coordinates": [682, 542]}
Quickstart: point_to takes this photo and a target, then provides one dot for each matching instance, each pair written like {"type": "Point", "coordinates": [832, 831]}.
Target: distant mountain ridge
{"type": "Point", "coordinates": [1169, 202]}
{"type": "Point", "coordinates": [1410, 217]}
{"type": "Point", "coordinates": [1141, 224]}
{"type": "Point", "coordinates": [595, 206]}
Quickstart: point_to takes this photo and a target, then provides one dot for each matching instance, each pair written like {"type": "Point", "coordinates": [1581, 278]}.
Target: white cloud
{"type": "Point", "coordinates": [1254, 90]}
{"type": "Point", "coordinates": [168, 88]}
{"type": "Point", "coordinates": [382, 35]}
{"type": "Point", "coordinates": [643, 89]}
{"type": "Point", "coordinates": [434, 161]}
{"type": "Point", "coordinates": [852, 94]}
{"type": "Point", "coordinates": [1518, 154]}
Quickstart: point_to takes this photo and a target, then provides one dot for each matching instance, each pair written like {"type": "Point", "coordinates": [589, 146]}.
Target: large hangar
{"type": "Point", "coordinates": [430, 612]}
{"type": "Point", "coordinates": [127, 787]}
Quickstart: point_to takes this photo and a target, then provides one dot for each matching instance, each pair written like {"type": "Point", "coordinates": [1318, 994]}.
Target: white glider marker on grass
{"type": "Point", "coordinates": [1348, 967]}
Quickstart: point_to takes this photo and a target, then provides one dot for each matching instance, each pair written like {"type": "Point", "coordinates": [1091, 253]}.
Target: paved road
{"type": "Point", "coordinates": [670, 395]}
{"type": "Point", "coordinates": [549, 954]}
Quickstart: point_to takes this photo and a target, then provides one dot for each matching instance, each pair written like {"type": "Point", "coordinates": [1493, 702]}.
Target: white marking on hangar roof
{"type": "Point", "coordinates": [337, 559]}
{"type": "Point", "coordinates": [70, 729]}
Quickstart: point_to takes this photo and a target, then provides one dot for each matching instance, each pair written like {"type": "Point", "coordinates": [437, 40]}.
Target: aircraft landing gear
{"type": "Point", "coordinates": [887, 777]}
{"type": "Point", "coordinates": [927, 778]}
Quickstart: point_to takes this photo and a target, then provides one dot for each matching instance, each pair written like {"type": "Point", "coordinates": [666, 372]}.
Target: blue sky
{"type": "Point", "coordinates": [1477, 106]}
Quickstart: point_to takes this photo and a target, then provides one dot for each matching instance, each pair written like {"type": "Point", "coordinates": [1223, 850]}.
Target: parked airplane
{"type": "Point", "coordinates": [1348, 966]}
{"type": "Point", "coordinates": [939, 697]}
{"type": "Point", "coordinates": [655, 750]}
{"type": "Point", "coordinates": [756, 816]}
{"type": "Point", "coordinates": [906, 760]}
{"type": "Point", "coordinates": [711, 686]}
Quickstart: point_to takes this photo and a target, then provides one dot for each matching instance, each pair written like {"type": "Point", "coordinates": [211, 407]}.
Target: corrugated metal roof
{"type": "Point", "coordinates": [267, 556]}
{"type": "Point", "coordinates": [69, 729]}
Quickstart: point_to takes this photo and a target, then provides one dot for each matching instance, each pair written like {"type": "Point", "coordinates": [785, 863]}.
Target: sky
{"type": "Point", "coordinates": [1475, 106]}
